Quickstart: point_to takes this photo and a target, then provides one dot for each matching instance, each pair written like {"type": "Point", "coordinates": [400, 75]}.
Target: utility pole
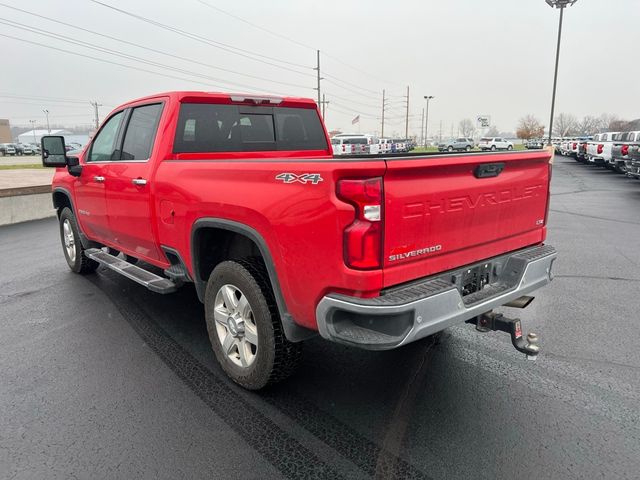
{"type": "Point", "coordinates": [95, 106]}
{"type": "Point", "coordinates": [422, 129]}
{"type": "Point", "coordinates": [324, 104]}
{"type": "Point", "coordinates": [428, 98]}
{"type": "Point", "coordinates": [33, 129]}
{"type": "Point", "coordinates": [406, 124]}
{"type": "Point", "coordinates": [317, 69]}
{"type": "Point", "coordinates": [440, 135]}
{"type": "Point", "coordinates": [46, 113]}
{"type": "Point", "coordinates": [383, 107]}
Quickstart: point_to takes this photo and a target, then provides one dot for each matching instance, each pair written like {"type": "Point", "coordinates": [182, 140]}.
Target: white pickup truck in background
{"type": "Point", "coordinates": [599, 150]}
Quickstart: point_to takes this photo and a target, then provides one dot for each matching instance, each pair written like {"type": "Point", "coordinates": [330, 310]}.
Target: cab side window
{"type": "Point", "coordinates": [141, 131]}
{"type": "Point", "coordinates": [104, 145]}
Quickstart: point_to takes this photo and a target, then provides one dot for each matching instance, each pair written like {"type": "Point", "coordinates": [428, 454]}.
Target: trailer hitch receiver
{"type": "Point", "coordinates": [496, 321]}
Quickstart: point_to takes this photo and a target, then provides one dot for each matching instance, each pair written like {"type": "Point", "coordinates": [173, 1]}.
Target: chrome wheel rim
{"type": "Point", "coordinates": [69, 240]}
{"type": "Point", "coordinates": [235, 326]}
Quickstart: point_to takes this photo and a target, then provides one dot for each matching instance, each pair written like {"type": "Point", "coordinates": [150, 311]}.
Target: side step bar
{"type": "Point", "coordinates": [153, 282]}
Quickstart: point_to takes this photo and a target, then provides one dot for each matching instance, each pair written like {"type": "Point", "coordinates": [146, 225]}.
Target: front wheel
{"type": "Point", "coordinates": [72, 247]}
{"type": "Point", "coordinates": [244, 325]}
{"type": "Point", "coordinates": [493, 148]}
{"type": "Point", "coordinates": [450, 149]}
{"type": "Point", "coordinates": [509, 147]}
{"type": "Point", "coordinates": [468, 148]}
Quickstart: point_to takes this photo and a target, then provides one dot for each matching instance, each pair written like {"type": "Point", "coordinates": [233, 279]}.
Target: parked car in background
{"type": "Point", "coordinates": [620, 150]}
{"type": "Point", "coordinates": [599, 150]}
{"type": "Point", "coordinates": [7, 149]}
{"type": "Point", "coordinates": [457, 144]}
{"type": "Point", "coordinates": [534, 143]}
{"type": "Point", "coordinates": [35, 148]}
{"type": "Point", "coordinates": [350, 145]}
{"type": "Point", "coordinates": [632, 163]}
{"type": "Point", "coordinates": [385, 145]}
{"type": "Point", "coordinates": [582, 150]}
{"type": "Point", "coordinates": [494, 143]}
{"type": "Point", "coordinates": [27, 149]}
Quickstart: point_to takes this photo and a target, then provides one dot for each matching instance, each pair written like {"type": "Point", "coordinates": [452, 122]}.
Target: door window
{"type": "Point", "coordinates": [141, 131]}
{"type": "Point", "coordinates": [104, 145]}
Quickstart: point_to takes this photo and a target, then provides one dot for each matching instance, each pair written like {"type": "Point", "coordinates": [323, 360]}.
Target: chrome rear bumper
{"type": "Point", "coordinates": [405, 314]}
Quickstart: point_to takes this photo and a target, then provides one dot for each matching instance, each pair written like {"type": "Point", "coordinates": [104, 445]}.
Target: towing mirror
{"type": "Point", "coordinates": [54, 153]}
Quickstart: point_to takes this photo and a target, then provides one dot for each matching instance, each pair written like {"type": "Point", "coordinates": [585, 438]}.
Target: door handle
{"type": "Point", "coordinates": [98, 179]}
{"type": "Point", "coordinates": [139, 181]}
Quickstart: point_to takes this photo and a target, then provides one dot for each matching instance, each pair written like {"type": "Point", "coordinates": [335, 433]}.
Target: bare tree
{"type": "Point", "coordinates": [588, 126]}
{"type": "Point", "coordinates": [493, 132]}
{"type": "Point", "coordinates": [466, 128]}
{"type": "Point", "coordinates": [529, 127]}
{"type": "Point", "coordinates": [608, 122]}
{"type": "Point", "coordinates": [564, 124]}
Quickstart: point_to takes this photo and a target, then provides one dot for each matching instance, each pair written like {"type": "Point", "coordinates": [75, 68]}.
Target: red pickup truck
{"type": "Point", "coordinates": [242, 196]}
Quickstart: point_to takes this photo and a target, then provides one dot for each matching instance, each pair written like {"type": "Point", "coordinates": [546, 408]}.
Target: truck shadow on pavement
{"type": "Point", "coordinates": [382, 400]}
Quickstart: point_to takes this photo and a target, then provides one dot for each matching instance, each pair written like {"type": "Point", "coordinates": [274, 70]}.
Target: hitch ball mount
{"type": "Point", "coordinates": [496, 321]}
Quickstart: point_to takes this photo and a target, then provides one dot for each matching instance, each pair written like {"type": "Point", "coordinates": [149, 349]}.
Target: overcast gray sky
{"type": "Point", "coordinates": [490, 57]}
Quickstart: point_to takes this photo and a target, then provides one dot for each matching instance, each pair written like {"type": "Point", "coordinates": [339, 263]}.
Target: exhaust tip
{"type": "Point", "coordinates": [522, 302]}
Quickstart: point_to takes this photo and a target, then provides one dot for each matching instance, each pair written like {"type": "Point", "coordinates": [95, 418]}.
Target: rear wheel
{"type": "Point", "coordinates": [493, 148]}
{"type": "Point", "coordinates": [244, 325]}
{"type": "Point", "coordinates": [72, 247]}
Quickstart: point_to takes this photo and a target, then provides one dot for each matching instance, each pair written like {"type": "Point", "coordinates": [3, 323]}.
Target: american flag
{"type": "Point", "coordinates": [355, 120]}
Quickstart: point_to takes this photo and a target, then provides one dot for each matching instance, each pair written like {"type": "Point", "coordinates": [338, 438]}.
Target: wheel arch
{"type": "Point", "coordinates": [206, 230]}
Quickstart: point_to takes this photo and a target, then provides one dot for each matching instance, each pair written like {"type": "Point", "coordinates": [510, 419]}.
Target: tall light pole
{"type": "Point", "coordinates": [426, 120]}
{"type": "Point", "coordinates": [46, 113]}
{"type": "Point", "coordinates": [561, 4]}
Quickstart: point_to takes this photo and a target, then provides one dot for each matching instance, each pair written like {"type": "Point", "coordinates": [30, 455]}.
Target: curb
{"type": "Point", "coordinates": [23, 204]}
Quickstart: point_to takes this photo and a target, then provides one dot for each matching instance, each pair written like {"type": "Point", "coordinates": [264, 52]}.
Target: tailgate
{"type": "Point", "coordinates": [439, 215]}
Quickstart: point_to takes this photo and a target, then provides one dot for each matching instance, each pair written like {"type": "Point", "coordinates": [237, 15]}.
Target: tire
{"type": "Point", "coordinates": [468, 148]}
{"type": "Point", "coordinates": [509, 148]}
{"type": "Point", "coordinates": [272, 357]}
{"type": "Point", "coordinates": [450, 149]}
{"type": "Point", "coordinates": [493, 148]}
{"type": "Point", "coordinates": [72, 247]}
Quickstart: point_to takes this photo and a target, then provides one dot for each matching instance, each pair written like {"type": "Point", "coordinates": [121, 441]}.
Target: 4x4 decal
{"type": "Point", "coordinates": [304, 178]}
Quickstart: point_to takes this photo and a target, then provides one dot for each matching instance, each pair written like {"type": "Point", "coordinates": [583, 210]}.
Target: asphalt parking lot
{"type": "Point", "coordinates": [103, 379]}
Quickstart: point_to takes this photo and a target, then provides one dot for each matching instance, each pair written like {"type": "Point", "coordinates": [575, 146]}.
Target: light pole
{"type": "Point", "coordinates": [561, 4]}
{"type": "Point", "coordinates": [33, 129]}
{"type": "Point", "coordinates": [426, 120]}
{"type": "Point", "coordinates": [46, 113]}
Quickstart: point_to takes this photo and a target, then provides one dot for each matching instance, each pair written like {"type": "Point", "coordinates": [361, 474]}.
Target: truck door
{"type": "Point", "coordinates": [128, 186]}
{"type": "Point", "coordinates": [89, 188]}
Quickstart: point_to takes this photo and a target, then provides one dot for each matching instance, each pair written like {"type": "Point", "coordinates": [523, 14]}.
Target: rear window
{"type": "Point", "coordinates": [204, 127]}
{"type": "Point", "coordinates": [486, 139]}
{"type": "Point", "coordinates": [356, 141]}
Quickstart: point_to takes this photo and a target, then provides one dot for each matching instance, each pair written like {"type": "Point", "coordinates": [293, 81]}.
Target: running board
{"type": "Point", "coordinates": [153, 282]}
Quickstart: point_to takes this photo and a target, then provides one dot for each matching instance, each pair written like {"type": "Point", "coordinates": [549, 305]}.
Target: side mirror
{"type": "Point", "coordinates": [54, 153]}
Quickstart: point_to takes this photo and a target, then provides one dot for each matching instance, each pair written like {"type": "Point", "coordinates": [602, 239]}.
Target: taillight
{"type": "Point", "coordinates": [600, 148]}
{"type": "Point", "coordinates": [363, 238]}
{"type": "Point", "coordinates": [575, 145]}
{"type": "Point", "coordinates": [625, 150]}
{"type": "Point", "coordinates": [344, 148]}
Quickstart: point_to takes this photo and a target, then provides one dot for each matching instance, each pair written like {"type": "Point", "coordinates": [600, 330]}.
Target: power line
{"type": "Point", "coordinates": [214, 43]}
{"type": "Point", "coordinates": [150, 49]}
{"type": "Point", "coordinates": [110, 62]}
{"type": "Point", "coordinates": [259, 27]}
{"type": "Point", "coordinates": [120, 54]}
{"type": "Point", "coordinates": [349, 100]}
{"type": "Point", "coordinates": [271, 32]}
